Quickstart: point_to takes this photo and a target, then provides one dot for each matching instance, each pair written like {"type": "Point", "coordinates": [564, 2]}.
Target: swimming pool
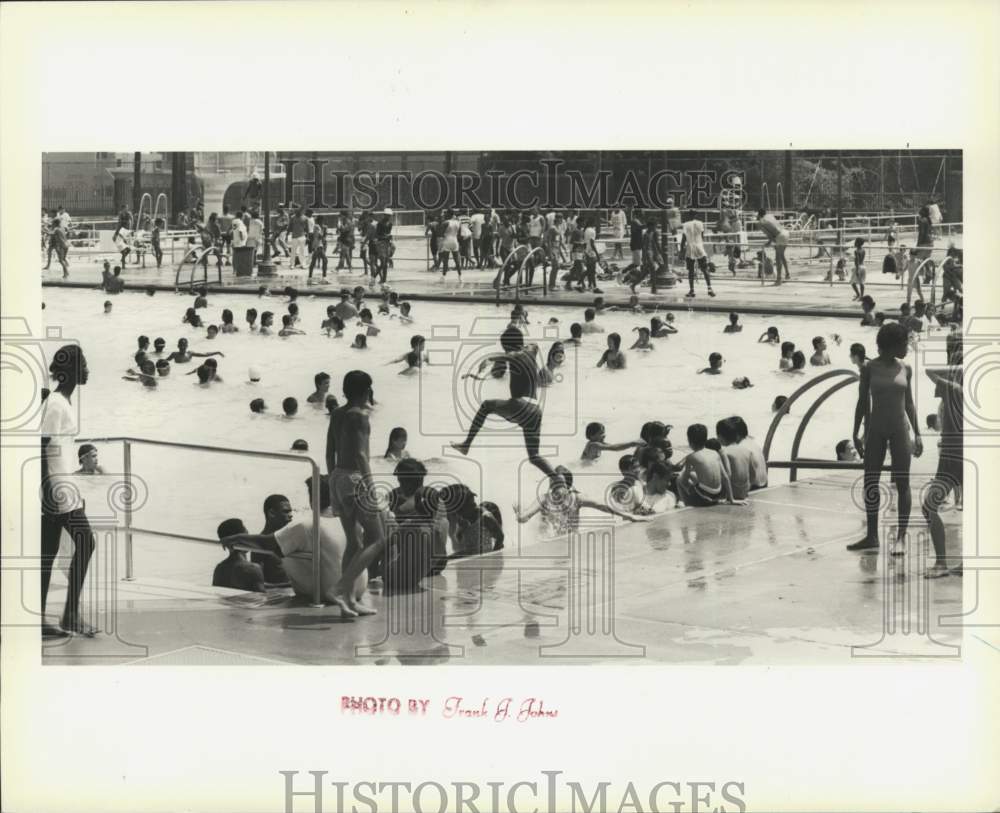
{"type": "Point", "coordinates": [190, 493]}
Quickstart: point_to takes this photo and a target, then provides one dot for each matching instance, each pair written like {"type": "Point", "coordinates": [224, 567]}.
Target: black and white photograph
{"type": "Point", "coordinates": [502, 407]}
{"type": "Point", "coordinates": [498, 407]}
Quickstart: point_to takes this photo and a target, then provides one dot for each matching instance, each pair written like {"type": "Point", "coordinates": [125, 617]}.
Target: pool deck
{"type": "Point", "coordinates": [806, 294]}
{"type": "Point", "coordinates": [770, 583]}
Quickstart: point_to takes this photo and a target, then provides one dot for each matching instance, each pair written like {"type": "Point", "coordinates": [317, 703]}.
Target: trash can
{"type": "Point", "coordinates": [243, 260]}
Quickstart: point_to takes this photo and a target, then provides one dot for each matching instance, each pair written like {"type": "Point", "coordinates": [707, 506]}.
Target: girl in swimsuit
{"type": "Point", "coordinates": [885, 404]}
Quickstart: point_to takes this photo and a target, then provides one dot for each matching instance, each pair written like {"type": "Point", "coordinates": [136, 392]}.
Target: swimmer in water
{"type": "Point", "coordinates": [334, 326]}
{"type": "Point", "coordinates": [227, 322]}
{"type": "Point", "coordinates": [159, 345]}
{"type": "Point", "coordinates": [182, 355]}
{"type": "Point", "coordinates": [257, 406]}
{"type": "Point", "coordinates": [589, 323]}
{"type": "Point", "coordinates": [107, 307]}
{"type": "Point", "coordinates": [318, 397]}
{"type": "Point", "coordinates": [413, 364]}
{"type": "Point", "coordinates": [417, 345]}
{"type": "Point", "coordinates": [252, 319]}
{"type": "Point", "coordinates": [770, 336]}
{"type": "Point", "coordinates": [556, 358]}
{"type": "Point", "coordinates": [613, 357]}
{"type": "Point", "coordinates": [597, 443]}
{"type": "Point", "coordinates": [575, 334]}
{"type": "Point", "coordinates": [191, 318]}
{"type": "Point", "coordinates": [146, 375]}
{"type": "Point", "coordinates": [798, 363]}
{"type": "Point", "coordinates": [287, 328]}
{"type": "Point", "coordinates": [212, 332]}
{"type": "Point", "coordinates": [885, 406]}
{"type": "Point", "coordinates": [734, 325]}
{"type": "Point", "coordinates": [396, 450]}
{"type": "Point", "coordinates": [360, 342]}
{"type": "Point", "coordinates": [365, 316]}
{"type": "Point", "coordinates": [785, 362]}
{"type": "Point", "coordinates": [819, 358]}
{"type": "Point", "coordinates": [205, 375]}
{"type": "Point", "coordinates": [266, 323]}
{"type": "Point", "coordinates": [293, 313]}
{"type": "Point", "coordinates": [290, 406]}
{"type": "Point", "coordinates": [643, 342]}
{"type": "Point", "coordinates": [714, 367]}
{"type": "Point", "coordinates": [212, 366]}
{"type": "Point", "coordinates": [659, 329]}
{"type": "Point", "coordinates": [404, 314]}
{"type": "Point", "coordinates": [858, 356]}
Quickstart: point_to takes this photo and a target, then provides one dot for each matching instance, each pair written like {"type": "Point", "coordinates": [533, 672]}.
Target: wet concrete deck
{"type": "Point", "coordinates": [765, 584]}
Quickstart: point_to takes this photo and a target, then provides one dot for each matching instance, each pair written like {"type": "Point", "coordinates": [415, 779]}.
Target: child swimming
{"type": "Point", "coordinates": [770, 336]}
{"type": "Point", "coordinates": [867, 311]}
{"type": "Point", "coordinates": [360, 342]}
{"type": "Point", "coordinates": [556, 357]}
{"type": "Point", "coordinates": [798, 363]}
{"type": "Point", "coordinates": [257, 406]}
{"type": "Point", "coordinates": [266, 323]}
{"type": "Point", "coordinates": [290, 406]}
{"type": "Point", "coordinates": [596, 443]}
{"type": "Point", "coordinates": [318, 396]}
{"type": "Point", "coordinates": [287, 329]}
{"type": "Point", "coordinates": [366, 322]}
{"type": "Point", "coordinates": [643, 342]}
{"type": "Point", "coordinates": [252, 319]}
{"type": "Point", "coordinates": [182, 355]}
{"type": "Point", "coordinates": [159, 344]}
{"type": "Point", "coordinates": [787, 349]}
{"type": "Point", "coordinates": [575, 334]}
{"type": "Point", "coordinates": [613, 357]}
{"type": "Point", "coordinates": [396, 450]}
{"type": "Point", "coordinates": [820, 357]}
{"type": "Point", "coordinates": [659, 329]}
{"type": "Point", "coordinates": [714, 367]}
{"type": "Point", "coordinates": [734, 325]}
{"type": "Point", "coordinates": [589, 323]}
{"type": "Point", "coordinates": [227, 322]}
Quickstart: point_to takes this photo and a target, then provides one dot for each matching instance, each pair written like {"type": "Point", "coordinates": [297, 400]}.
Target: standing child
{"type": "Point", "coordinates": [858, 274]}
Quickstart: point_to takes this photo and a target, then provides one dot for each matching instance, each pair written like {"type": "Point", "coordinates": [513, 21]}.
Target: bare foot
{"type": "Point", "coordinates": [460, 447]}
{"type": "Point", "coordinates": [362, 609]}
{"type": "Point", "coordinates": [345, 610]}
{"type": "Point", "coordinates": [78, 626]}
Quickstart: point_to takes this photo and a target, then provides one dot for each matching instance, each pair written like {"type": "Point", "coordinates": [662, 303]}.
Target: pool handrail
{"type": "Point", "coordinates": [128, 442]}
{"type": "Point", "coordinates": [795, 463]}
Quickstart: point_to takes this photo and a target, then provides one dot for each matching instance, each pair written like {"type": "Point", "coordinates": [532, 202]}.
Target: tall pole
{"type": "Point", "coordinates": [840, 199]}
{"type": "Point", "coordinates": [266, 268]}
{"type": "Point", "coordinates": [136, 183]}
{"type": "Point", "coordinates": [789, 186]}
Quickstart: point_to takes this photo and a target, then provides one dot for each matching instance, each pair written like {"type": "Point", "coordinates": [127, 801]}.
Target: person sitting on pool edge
{"type": "Point", "coordinates": [703, 480]}
{"type": "Point", "coordinates": [658, 497]}
{"type": "Point", "coordinates": [714, 367]}
{"type": "Point", "coordinates": [627, 494]}
{"type": "Point", "coordinates": [738, 458]}
{"type": "Point", "coordinates": [235, 572]}
{"type": "Point", "coordinates": [613, 356]}
{"type": "Point", "coordinates": [596, 443]}
{"type": "Point", "coordinates": [290, 545]}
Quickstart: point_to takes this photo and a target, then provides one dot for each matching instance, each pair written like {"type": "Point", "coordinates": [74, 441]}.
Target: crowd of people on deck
{"type": "Point", "coordinates": [572, 249]}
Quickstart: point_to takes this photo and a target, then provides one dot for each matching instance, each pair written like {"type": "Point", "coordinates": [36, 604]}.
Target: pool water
{"type": "Point", "coordinates": [191, 492]}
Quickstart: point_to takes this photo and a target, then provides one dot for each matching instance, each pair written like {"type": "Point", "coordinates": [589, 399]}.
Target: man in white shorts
{"type": "Point", "coordinates": [777, 235]}
{"type": "Point", "coordinates": [694, 243]}
{"type": "Point", "coordinates": [293, 545]}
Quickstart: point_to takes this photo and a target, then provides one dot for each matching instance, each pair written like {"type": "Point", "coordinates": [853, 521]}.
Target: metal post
{"type": "Point", "coordinates": [136, 185]}
{"type": "Point", "coordinates": [317, 548]}
{"type": "Point", "coordinates": [129, 498]}
{"type": "Point", "coordinates": [265, 268]}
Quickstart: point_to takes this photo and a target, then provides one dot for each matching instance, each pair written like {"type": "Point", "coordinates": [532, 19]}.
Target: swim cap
{"type": "Point", "coordinates": [254, 375]}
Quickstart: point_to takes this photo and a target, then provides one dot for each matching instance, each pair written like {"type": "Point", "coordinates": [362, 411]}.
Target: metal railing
{"type": "Point", "coordinates": [130, 529]}
{"type": "Point", "coordinates": [795, 462]}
